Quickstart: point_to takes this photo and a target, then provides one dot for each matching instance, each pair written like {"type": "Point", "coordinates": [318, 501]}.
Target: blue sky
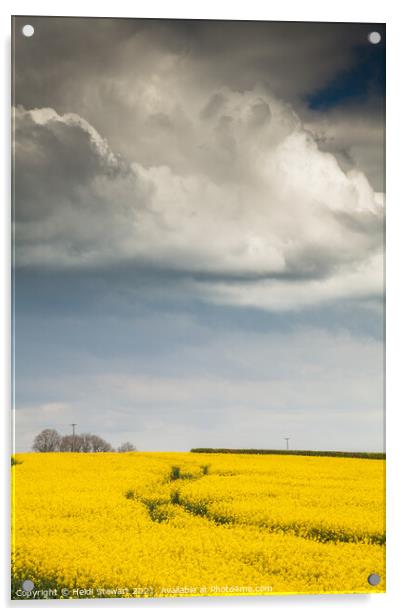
{"type": "Point", "coordinates": [199, 234]}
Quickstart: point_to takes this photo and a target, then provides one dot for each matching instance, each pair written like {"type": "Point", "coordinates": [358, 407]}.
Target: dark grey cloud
{"type": "Point", "coordinates": [55, 161]}
{"type": "Point", "coordinates": [99, 70]}
{"type": "Point", "coordinates": [295, 58]}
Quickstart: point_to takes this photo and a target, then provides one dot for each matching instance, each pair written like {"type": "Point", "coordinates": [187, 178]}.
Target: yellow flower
{"type": "Point", "coordinates": [174, 524]}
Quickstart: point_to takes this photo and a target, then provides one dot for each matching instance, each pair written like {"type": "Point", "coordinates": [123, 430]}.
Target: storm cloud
{"type": "Point", "coordinates": [270, 202]}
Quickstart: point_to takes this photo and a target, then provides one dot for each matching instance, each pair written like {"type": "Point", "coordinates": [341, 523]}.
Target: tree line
{"type": "Point", "coordinates": [50, 440]}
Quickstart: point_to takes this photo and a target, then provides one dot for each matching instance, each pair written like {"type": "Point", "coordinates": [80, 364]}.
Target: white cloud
{"type": "Point", "coordinates": [259, 200]}
{"type": "Point", "coordinates": [366, 278]}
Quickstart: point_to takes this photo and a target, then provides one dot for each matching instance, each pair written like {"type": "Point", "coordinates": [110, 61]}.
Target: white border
{"type": "Point", "coordinates": [287, 10]}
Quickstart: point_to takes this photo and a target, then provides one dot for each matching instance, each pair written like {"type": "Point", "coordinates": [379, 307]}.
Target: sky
{"type": "Point", "coordinates": [199, 233]}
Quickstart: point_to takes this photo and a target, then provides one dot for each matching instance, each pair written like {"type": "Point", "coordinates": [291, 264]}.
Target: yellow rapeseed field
{"type": "Point", "coordinates": [174, 524]}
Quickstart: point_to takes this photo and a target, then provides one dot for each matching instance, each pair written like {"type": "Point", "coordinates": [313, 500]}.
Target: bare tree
{"type": "Point", "coordinates": [47, 440]}
{"type": "Point", "coordinates": [125, 447]}
{"type": "Point", "coordinates": [99, 444]}
{"type": "Point", "coordinates": [71, 442]}
{"type": "Point", "coordinates": [86, 442]}
{"type": "Point", "coordinates": [66, 443]}
{"type": "Point", "coordinates": [51, 440]}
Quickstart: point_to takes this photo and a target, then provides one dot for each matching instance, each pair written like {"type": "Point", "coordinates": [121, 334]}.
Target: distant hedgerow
{"type": "Point", "coordinates": [296, 452]}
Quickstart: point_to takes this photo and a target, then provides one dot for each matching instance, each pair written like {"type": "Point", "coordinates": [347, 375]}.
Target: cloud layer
{"type": "Point", "coordinates": [202, 385]}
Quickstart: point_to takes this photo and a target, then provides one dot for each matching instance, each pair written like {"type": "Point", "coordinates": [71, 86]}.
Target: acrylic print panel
{"type": "Point", "coordinates": [198, 280]}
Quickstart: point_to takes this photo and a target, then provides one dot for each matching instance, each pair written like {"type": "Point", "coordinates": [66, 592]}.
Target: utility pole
{"type": "Point", "coordinates": [287, 439]}
{"type": "Point", "coordinates": [73, 443]}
